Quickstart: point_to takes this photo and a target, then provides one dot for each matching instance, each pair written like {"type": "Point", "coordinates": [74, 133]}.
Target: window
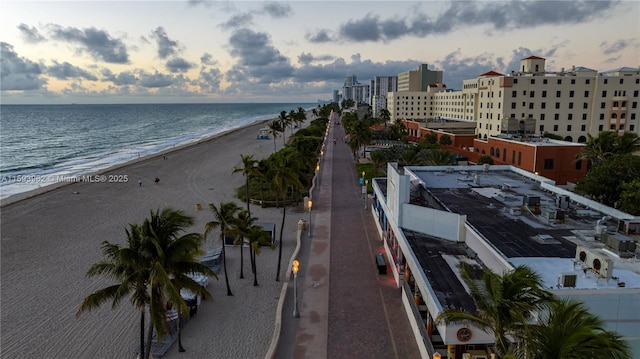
{"type": "Point", "coordinates": [531, 93]}
{"type": "Point", "coordinates": [559, 82]}
{"type": "Point", "coordinates": [533, 81]}
{"type": "Point", "coordinates": [513, 105]}
{"type": "Point", "coordinates": [583, 128]}
{"type": "Point", "coordinates": [514, 93]}
{"type": "Point", "coordinates": [573, 81]}
{"type": "Point", "coordinates": [492, 152]}
{"type": "Point", "coordinates": [513, 155]}
{"type": "Point", "coordinates": [612, 127]}
{"type": "Point", "coordinates": [631, 127]}
{"type": "Point", "coordinates": [557, 105]}
{"type": "Point", "coordinates": [541, 130]}
{"type": "Point", "coordinates": [531, 105]}
{"type": "Point", "coordinates": [602, 116]}
{"type": "Point", "coordinates": [556, 117]}
{"type": "Point", "coordinates": [568, 127]}
{"type": "Point", "coordinates": [544, 93]}
{"type": "Point", "coordinates": [621, 81]}
{"type": "Point", "coordinates": [544, 81]}
{"type": "Point", "coordinates": [515, 81]}
{"type": "Point", "coordinates": [519, 158]}
{"type": "Point", "coordinates": [587, 81]}
{"type": "Point", "coordinates": [621, 127]}
{"type": "Point", "coordinates": [605, 81]}
{"type": "Point", "coordinates": [635, 93]}
{"type": "Point", "coordinates": [600, 128]}
{"type": "Point", "coordinates": [570, 105]}
{"type": "Point", "coordinates": [584, 117]}
{"type": "Point", "coordinates": [633, 116]}
{"type": "Point", "coordinates": [555, 128]}
{"type": "Point", "coordinates": [634, 104]}
{"type": "Point", "coordinates": [548, 163]}
{"type": "Point", "coordinates": [603, 105]}
{"type": "Point", "coordinates": [570, 117]}
{"type": "Point", "coordinates": [604, 93]}
{"type": "Point", "coordinates": [558, 93]}
{"type": "Point", "coordinates": [586, 94]}
{"type": "Point", "coordinates": [578, 165]}
{"type": "Point", "coordinates": [571, 93]}
{"type": "Point", "coordinates": [542, 117]}
{"type": "Point", "coordinates": [543, 105]}
{"type": "Point", "coordinates": [498, 152]}
{"type": "Point", "coordinates": [585, 105]}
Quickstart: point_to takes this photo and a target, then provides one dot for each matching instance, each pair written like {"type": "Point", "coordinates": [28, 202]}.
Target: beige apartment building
{"type": "Point", "coordinates": [571, 103]}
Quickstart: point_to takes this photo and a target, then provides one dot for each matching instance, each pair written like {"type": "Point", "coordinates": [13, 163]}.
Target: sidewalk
{"type": "Point", "coordinates": [347, 309]}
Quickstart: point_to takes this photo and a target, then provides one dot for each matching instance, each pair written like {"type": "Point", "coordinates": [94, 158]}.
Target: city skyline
{"type": "Point", "coordinates": [299, 51]}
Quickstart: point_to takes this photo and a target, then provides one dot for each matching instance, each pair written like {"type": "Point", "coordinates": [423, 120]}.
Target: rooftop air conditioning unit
{"type": "Point", "coordinates": [601, 265]}
{"type": "Point", "coordinates": [567, 280]}
{"type": "Point", "coordinates": [582, 254]}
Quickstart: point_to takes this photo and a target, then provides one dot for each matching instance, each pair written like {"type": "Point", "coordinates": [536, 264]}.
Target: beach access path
{"type": "Point", "coordinates": [48, 242]}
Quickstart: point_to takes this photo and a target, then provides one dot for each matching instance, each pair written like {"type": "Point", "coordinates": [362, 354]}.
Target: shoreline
{"type": "Point", "coordinates": [50, 239]}
{"type": "Point", "coordinates": [57, 185]}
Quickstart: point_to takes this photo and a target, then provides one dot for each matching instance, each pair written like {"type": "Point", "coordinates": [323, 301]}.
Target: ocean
{"type": "Point", "coordinates": [44, 144]}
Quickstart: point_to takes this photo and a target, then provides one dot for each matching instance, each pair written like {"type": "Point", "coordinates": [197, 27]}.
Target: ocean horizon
{"type": "Point", "coordinates": [41, 145]}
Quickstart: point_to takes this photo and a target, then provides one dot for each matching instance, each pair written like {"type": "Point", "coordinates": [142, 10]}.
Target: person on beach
{"type": "Point", "coordinates": [157, 180]}
{"type": "Point", "coordinates": [139, 182]}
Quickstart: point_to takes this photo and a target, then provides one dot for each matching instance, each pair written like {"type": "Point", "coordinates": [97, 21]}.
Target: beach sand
{"type": "Point", "coordinates": [50, 240]}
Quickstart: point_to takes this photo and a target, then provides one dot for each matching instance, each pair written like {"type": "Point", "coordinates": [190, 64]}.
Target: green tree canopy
{"type": "Point", "coordinates": [604, 181]}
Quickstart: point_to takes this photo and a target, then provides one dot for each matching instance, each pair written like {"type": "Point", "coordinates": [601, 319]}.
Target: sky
{"type": "Point", "coordinates": [200, 51]}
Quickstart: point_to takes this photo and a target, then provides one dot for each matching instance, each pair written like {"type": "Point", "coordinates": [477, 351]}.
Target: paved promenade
{"type": "Point", "coordinates": [347, 309]}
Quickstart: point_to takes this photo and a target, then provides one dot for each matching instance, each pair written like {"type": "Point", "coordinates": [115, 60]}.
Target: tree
{"type": "Point", "coordinates": [445, 140]}
{"type": "Point", "coordinates": [598, 148]}
{"type": "Point", "coordinates": [569, 331]}
{"type": "Point", "coordinates": [239, 230]}
{"type": "Point", "coordinates": [430, 138]}
{"type": "Point", "coordinates": [129, 268]}
{"type": "Point", "coordinates": [505, 304]}
{"type": "Point", "coordinates": [285, 121]}
{"type": "Point", "coordinates": [171, 257]}
{"type": "Point", "coordinates": [605, 179]}
{"type": "Point", "coordinates": [223, 217]}
{"type": "Point", "coordinates": [378, 159]}
{"type": "Point", "coordinates": [274, 129]}
{"type": "Point", "coordinates": [248, 169]}
{"type": "Point", "coordinates": [397, 131]}
{"type": "Point", "coordinates": [438, 157]}
{"type": "Point", "coordinates": [258, 238]}
{"type": "Point", "coordinates": [630, 197]}
{"type": "Point", "coordinates": [485, 159]}
{"type": "Point", "coordinates": [385, 115]}
{"type": "Point", "coordinates": [283, 175]}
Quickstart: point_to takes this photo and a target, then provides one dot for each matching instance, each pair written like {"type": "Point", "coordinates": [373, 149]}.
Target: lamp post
{"type": "Point", "coordinates": [318, 173]}
{"type": "Point", "coordinates": [310, 204]}
{"type": "Point", "coordinates": [294, 268]}
{"type": "Point", "coordinates": [364, 193]}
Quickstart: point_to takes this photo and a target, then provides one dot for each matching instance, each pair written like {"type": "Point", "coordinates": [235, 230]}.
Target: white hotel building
{"type": "Point", "coordinates": [570, 103]}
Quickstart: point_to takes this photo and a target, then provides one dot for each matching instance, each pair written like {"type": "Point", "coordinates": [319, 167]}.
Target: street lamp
{"type": "Point", "coordinates": [294, 268]}
{"type": "Point", "coordinates": [364, 193]}
{"type": "Point", "coordinates": [310, 204]}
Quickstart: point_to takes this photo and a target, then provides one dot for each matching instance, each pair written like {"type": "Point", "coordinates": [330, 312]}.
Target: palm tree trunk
{"type": "Point", "coordinates": [142, 332]}
{"type": "Point", "coordinates": [255, 270]}
{"type": "Point", "coordinates": [224, 263]}
{"type": "Point", "coordinates": [242, 258]}
{"type": "Point", "coordinates": [284, 212]}
{"type": "Point", "coordinates": [148, 344]}
{"type": "Point", "coordinates": [180, 348]}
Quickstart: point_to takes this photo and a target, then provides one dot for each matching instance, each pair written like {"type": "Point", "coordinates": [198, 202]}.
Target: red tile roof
{"type": "Point", "coordinates": [491, 73]}
{"type": "Point", "coordinates": [533, 58]}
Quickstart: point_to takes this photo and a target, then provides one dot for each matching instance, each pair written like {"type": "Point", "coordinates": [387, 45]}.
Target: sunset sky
{"type": "Point", "coordinates": [297, 51]}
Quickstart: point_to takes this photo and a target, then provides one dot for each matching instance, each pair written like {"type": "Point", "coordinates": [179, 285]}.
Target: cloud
{"type": "Point", "coordinates": [179, 64]}
{"type": "Point", "coordinates": [320, 36]}
{"type": "Point", "coordinates": [65, 71]}
{"type": "Point", "coordinates": [209, 80]}
{"type": "Point", "coordinates": [497, 15]}
{"type": "Point", "coordinates": [277, 10]}
{"type": "Point", "coordinates": [207, 59]}
{"type": "Point", "coordinates": [609, 48]}
{"type": "Point", "coordinates": [99, 44]}
{"type": "Point", "coordinates": [307, 58]}
{"type": "Point", "coordinates": [238, 21]}
{"type": "Point", "coordinates": [166, 46]}
{"type": "Point", "coordinates": [121, 79]}
{"type": "Point", "coordinates": [155, 80]}
{"type": "Point", "coordinates": [30, 34]}
{"type": "Point", "coordinates": [18, 74]}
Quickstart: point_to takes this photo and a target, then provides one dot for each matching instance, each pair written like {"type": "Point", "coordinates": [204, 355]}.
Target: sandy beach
{"type": "Point", "coordinates": [50, 240]}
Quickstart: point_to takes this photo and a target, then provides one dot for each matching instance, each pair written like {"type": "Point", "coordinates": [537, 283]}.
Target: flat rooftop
{"type": "Point", "coordinates": [493, 204]}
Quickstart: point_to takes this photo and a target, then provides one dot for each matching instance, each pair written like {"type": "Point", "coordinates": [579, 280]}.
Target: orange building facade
{"type": "Point", "coordinates": [549, 158]}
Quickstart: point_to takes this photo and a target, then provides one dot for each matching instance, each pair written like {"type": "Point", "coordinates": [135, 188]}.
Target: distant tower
{"type": "Point", "coordinates": [532, 65]}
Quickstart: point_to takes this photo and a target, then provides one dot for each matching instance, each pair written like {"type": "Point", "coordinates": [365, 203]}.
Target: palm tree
{"type": "Point", "coordinates": [438, 157]}
{"type": "Point", "coordinates": [129, 268]}
{"type": "Point", "coordinates": [284, 175]}
{"type": "Point", "coordinates": [598, 148]}
{"type": "Point", "coordinates": [248, 169]}
{"type": "Point", "coordinates": [223, 217]}
{"type": "Point", "coordinates": [258, 238]}
{"type": "Point", "coordinates": [285, 121]}
{"type": "Point", "coordinates": [569, 331]}
{"type": "Point", "coordinates": [378, 159]}
{"type": "Point", "coordinates": [172, 259]}
{"type": "Point", "coordinates": [505, 303]}
{"type": "Point", "coordinates": [274, 129]}
{"type": "Point", "coordinates": [627, 143]}
{"type": "Point", "coordinates": [239, 230]}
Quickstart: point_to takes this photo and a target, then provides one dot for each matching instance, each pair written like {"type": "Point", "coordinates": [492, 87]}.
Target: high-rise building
{"type": "Point", "coordinates": [569, 103]}
{"type": "Point", "coordinates": [419, 79]}
{"type": "Point", "coordinates": [354, 90]}
{"type": "Point", "coordinates": [380, 87]}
